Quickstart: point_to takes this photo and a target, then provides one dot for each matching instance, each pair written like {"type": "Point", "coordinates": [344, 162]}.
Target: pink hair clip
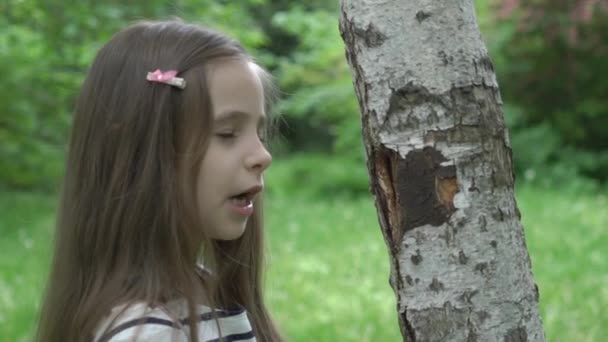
{"type": "Point", "coordinates": [167, 77]}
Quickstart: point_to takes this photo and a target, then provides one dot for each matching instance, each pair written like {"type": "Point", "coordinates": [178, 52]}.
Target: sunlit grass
{"type": "Point", "coordinates": [568, 239]}
{"type": "Point", "coordinates": [26, 222]}
{"type": "Point", "coordinates": [329, 270]}
{"type": "Point", "coordinates": [328, 265]}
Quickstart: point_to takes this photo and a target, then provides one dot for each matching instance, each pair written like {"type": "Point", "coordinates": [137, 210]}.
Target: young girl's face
{"type": "Point", "coordinates": [236, 157]}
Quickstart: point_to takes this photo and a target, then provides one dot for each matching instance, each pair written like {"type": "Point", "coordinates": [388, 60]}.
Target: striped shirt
{"type": "Point", "coordinates": [158, 325]}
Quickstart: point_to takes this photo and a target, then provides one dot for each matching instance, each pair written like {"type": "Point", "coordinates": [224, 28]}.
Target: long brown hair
{"type": "Point", "coordinates": [127, 226]}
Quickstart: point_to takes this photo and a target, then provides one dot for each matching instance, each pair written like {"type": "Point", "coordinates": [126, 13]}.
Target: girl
{"type": "Point", "coordinates": [159, 234]}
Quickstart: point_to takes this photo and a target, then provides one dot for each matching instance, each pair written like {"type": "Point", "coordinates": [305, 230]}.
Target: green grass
{"type": "Point", "coordinates": [329, 270]}
{"type": "Point", "coordinates": [328, 275]}
{"type": "Point", "coordinates": [26, 222]}
{"type": "Point", "coordinates": [567, 236]}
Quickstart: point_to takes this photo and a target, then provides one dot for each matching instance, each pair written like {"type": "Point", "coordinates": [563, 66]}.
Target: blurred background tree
{"type": "Point", "coordinates": [556, 53]}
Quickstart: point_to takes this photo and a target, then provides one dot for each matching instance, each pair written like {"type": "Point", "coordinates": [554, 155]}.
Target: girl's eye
{"type": "Point", "coordinates": [262, 138]}
{"type": "Point", "coordinates": [226, 135]}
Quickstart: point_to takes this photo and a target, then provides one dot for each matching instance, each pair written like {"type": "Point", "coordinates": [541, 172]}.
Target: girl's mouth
{"type": "Point", "coordinates": [242, 204]}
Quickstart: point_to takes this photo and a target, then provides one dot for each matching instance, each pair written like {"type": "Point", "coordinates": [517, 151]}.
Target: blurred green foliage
{"type": "Point", "coordinates": [551, 66]}
{"type": "Point", "coordinates": [555, 98]}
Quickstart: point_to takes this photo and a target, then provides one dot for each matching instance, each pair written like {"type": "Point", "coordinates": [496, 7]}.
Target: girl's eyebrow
{"type": "Point", "coordinates": [237, 115]}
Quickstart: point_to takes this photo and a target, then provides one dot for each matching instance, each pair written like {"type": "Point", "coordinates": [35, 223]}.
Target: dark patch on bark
{"type": "Point", "coordinates": [403, 100]}
{"type": "Point", "coordinates": [467, 295]}
{"type": "Point", "coordinates": [473, 187]}
{"type": "Point", "coordinates": [493, 178]}
{"type": "Point", "coordinates": [448, 235]}
{"type": "Point", "coordinates": [493, 243]}
{"type": "Point", "coordinates": [420, 237]}
{"type": "Point", "coordinates": [482, 267]}
{"type": "Point", "coordinates": [458, 134]}
{"type": "Point", "coordinates": [472, 337]}
{"type": "Point", "coordinates": [445, 58]}
{"type": "Point", "coordinates": [436, 285]}
{"type": "Point", "coordinates": [536, 292]}
{"type": "Point", "coordinates": [485, 63]}
{"type": "Point", "coordinates": [371, 35]}
{"type": "Point", "coordinates": [482, 316]}
{"type": "Point", "coordinates": [422, 16]}
{"type": "Point", "coordinates": [462, 258]}
{"type": "Point", "coordinates": [425, 188]}
{"type": "Point", "coordinates": [408, 96]}
{"type": "Point", "coordinates": [417, 258]}
{"type": "Point", "coordinates": [498, 215]}
{"type": "Point", "coordinates": [414, 191]}
{"type": "Point", "coordinates": [409, 280]}
{"type": "Point", "coordinates": [433, 117]}
{"type": "Point", "coordinates": [439, 324]}
{"type": "Point", "coordinates": [518, 334]}
{"type": "Point", "coordinates": [407, 330]}
{"type": "Point", "coordinates": [483, 224]}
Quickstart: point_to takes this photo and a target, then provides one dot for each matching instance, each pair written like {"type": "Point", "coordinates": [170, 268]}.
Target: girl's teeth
{"type": "Point", "coordinates": [241, 201]}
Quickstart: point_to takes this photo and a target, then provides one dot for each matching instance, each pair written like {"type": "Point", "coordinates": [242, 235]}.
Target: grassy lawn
{"type": "Point", "coordinates": [567, 237]}
{"type": "Point", "coordinates": [328, 275]}
{"type": "Point", "coordinates": [26, 222]}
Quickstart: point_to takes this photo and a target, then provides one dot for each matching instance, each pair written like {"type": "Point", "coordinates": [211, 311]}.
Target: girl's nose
{"type": "Point", "coordinates": [259, 159]}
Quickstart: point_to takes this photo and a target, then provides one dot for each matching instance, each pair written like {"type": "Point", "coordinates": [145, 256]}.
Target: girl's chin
{"type": "Point", "coordinates": [229, 234]}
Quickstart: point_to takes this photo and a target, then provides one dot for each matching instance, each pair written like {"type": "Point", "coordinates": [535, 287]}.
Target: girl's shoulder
{"type": "Point", "coordinates": [141, 321]}
{"type": "Point", "coordinates": [170, 323]}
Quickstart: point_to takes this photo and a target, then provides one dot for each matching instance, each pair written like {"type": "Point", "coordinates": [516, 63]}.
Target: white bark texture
{"type": "Point", "coordinates": [440, 169]}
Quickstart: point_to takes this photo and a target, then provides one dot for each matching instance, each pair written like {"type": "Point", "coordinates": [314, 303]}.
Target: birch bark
{"type": "Point", "coordinates": [439, 161]}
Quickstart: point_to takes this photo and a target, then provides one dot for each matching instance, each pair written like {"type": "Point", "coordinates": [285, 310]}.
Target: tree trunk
{"type": "Point", "coordinates": [439, 161]}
